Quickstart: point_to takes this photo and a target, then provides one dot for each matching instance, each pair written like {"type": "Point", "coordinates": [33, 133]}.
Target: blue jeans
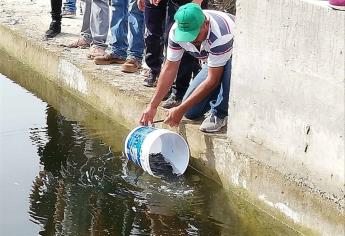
{"type": "Point", "coordinates": [127, 29]}
{"type": "Point", "coordinates": [69, 5]}
{"type": "Point", "coordinates": [217, 100]}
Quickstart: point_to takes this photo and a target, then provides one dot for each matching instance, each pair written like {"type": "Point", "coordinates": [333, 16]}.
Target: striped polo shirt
{"type": "Point", "coordinates": [216, 50]}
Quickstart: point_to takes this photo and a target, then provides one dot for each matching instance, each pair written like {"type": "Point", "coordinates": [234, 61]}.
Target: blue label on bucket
{"type": "Point", "coordinates": [135, 142]}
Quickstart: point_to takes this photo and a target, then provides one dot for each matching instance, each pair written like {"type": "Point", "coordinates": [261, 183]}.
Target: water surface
{"type": "Point", "coordinates": [62, 172]}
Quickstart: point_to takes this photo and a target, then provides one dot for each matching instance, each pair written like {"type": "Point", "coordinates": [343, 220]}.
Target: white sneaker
{"type": "Point", "coordinates": [212, 123]}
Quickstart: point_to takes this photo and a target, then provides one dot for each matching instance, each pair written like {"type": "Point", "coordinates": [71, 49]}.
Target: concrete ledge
{"type": "Point", "coordinates": [287, 95]}
{"type": "Point", "coordinates": [286, 197]}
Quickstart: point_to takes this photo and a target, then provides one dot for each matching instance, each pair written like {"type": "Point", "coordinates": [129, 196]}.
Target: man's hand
{"type": "Point", "coordinates": [166, 79]}
{"type": "Point", "coordinates": [148, 116]}
{"type": "Point", "coordinates": [174, 117]}
{"type": "Point", "coordinates": [141, 5]}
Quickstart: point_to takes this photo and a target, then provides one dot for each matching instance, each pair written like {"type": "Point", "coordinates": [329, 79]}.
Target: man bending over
{"type": "Point", "coordinates": [207, 35]}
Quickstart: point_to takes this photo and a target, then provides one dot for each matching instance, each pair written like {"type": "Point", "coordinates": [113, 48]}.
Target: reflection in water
{"type": "Point", "coordinates": [84, 188]}
{"type": "Point", "coordinates": [69, 196]}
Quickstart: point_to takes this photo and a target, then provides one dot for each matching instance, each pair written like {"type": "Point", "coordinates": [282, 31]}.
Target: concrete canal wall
{"type": "Point", "coordinates": [287, 92]}
{"type": "Point", "coordinates": [284, 147]}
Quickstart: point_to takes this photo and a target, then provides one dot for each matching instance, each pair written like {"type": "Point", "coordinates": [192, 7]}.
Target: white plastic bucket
{"type": "Point", "coordinates": [143, 141]}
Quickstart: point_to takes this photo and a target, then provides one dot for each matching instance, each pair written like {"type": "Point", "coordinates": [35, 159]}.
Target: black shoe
{"type": "Point", "coordinates": [151, 80]}
{"type": "Point", "coordinates": [54, 29]}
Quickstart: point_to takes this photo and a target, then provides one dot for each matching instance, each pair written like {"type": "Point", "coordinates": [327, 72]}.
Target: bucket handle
{"type": "Point", "coordinates": [155, 122]}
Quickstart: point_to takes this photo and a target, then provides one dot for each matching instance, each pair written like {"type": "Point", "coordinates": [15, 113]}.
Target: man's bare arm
{"type": "Point", "coordinates": [203, 90]}
{"type": "Point", "coordinates": [165, 81]}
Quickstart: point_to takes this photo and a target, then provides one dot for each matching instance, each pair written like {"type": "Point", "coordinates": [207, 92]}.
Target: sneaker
{"type": "Point", "coordinates": [171, 102]}
{"type": "Point", "coordinates": [131, 65]}
{"type": "Point", "coordinates": [151, 80]}
{"type": "Point", "coordinates": [108, 59]}
{"type": "Point", "coordinates": [54, 29]}
{"type": "Point", "coordinates": [167, 96]}
{"type": "Point", "coordinates": [212, 123]}
{"type": "Point", "coordinates": [68, 14]}
{"type": "Point", "coordinates": [95, 52]}
{"type": "Point", "coordinates": [79, 43]}
{"type": "Point", "coordinates": [337, 4]}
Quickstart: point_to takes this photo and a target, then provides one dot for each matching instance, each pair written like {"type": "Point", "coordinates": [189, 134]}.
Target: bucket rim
{"type": "Point", "coordinates": [159, 132]}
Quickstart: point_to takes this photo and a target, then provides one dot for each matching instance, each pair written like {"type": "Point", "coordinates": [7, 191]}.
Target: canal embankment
{"type": "Point", "coordinates": [256, 156]}
{"type": "Point", "coordinates": [83, 148]}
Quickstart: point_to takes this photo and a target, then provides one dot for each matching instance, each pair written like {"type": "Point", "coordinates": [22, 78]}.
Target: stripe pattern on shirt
{"type": "Point", "coordinates": [216, 49]}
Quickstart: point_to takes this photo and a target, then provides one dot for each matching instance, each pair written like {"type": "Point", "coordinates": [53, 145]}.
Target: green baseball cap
{"type": "Point", "coordinates": [189, 19]}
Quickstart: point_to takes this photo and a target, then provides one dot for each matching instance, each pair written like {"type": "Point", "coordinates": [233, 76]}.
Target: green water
{"type": "Point", "coordinates": [62, 172]}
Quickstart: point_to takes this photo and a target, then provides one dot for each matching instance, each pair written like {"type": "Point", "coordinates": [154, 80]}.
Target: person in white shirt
{"type": "Point", "coordinates": [207, 35]}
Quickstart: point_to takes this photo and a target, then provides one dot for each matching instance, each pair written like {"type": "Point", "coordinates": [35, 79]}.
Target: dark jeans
{"type": "Point", "coordinates": [158, 21]}
{"type": "Point", "coordinates": [56, 9]}
{"type": "Point", "coordinates": [155, 17]}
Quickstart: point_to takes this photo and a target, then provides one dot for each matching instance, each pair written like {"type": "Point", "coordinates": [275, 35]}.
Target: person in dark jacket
{"type": "Point", "coordinates": [55, 25]}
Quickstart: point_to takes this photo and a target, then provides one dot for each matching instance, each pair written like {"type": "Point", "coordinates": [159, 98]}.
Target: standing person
{"type": "Point", "coordinates": [55, 25]}
{"type": "Point", "coordinates": [126, 45]}
{"type": "Point", "coordinates": [94, 30]}
{"type": "Point", "coordinates": [337, 4]}
{"type": "Point", "coordinates": [206, 35]}
{"type": "Point", "coordinates": [69, 8]}
{"type": "Point", "coordinates": [156, 12]}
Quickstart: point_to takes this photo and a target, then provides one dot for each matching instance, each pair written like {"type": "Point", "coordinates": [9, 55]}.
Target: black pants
{"type": "Point", "coordinates": [158, 21]}
{"type": "Point", "coordinates": [56, 9]}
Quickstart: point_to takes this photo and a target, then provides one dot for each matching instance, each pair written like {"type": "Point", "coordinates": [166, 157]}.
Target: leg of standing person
{"type": "Point", "coordinates": [55, 25]}
{"type": "Point", "coordinates": [85, 27]}
{"type": "Point", "coordinates": [154, 42]}
{"type": "Point", "coordinates": [118, 44]}
{"type": "Point", "coordinates": [86, 38]}
{"type": "Point", "coordinates": [217, 101]}
{"type": "Point", "coordinates": [99, 26]}
{"type": "Point", "coordinates": [69, 9]}
{"type": "Point", "coordinates": [135, 38]}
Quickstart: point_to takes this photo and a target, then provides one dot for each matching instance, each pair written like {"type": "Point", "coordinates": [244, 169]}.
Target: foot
{"type": "Point", "coordinates": [95, 51]}
{"type": "Point", "coordinates": [131, 65]}
{"type": "Point", "coordinates": [68, 14]}
{"type": "Point", "coordinates": [54, 29]}
{"type": "Point", "coordinates": [171, 102]}
{"type": "Point", "coordinates": [108, 59]}
{"type": "Point", "coordinates": [79, 43]}
{"type": "Point", "coordinates": [337, 4]}
{"type": "Point", "coordinates": [151, 80]}
{"type": "Point", "coordinates": [212, 123]}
